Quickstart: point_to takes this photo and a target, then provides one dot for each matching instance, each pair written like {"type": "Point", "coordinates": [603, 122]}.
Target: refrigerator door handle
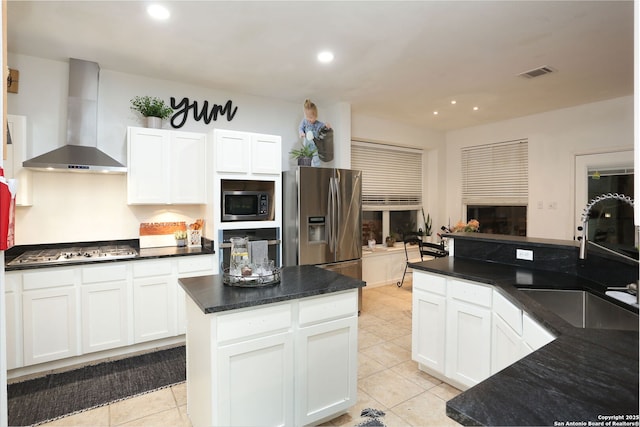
{"type": "Point", "coordinates": [330, 214]}
{"type": "Point", "coordinates": [338, 206]}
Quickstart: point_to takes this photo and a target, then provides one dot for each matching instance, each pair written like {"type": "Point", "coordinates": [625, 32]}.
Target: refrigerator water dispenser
{"type": "Point", "coordinates": [317, 229]}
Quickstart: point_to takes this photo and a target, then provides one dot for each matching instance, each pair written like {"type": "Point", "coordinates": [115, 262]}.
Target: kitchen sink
{"type": "Point", "coordinates": [584, 310]}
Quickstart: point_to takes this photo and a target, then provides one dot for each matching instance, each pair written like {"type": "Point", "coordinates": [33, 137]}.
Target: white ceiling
{"type": "Point", "coordinates": [395, 60]}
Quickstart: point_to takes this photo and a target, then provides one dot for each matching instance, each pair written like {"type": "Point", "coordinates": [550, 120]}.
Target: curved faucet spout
{"type": "Point", "coordinates": [587, 210]}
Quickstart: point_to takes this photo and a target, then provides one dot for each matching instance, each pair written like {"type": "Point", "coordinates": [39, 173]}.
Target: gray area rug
{"type": "Point", "coordinates": [46, 398]}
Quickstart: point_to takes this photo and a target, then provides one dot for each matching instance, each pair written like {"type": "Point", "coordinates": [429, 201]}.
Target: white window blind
{"type": "Point", "coordinates": [496, 174]}
{"type": "Point", "coordinates": [391, 176]}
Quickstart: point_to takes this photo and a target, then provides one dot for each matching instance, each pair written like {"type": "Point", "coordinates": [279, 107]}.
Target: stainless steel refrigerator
{"type": "Point", "coordinates": [322, 219]}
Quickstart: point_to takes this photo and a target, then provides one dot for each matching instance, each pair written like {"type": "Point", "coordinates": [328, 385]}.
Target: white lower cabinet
{"type": "Point", "coordinates": [471, 333]}
{"type": "Point", "coordinates": [55, 313]}
{"type": "Point", "coordinates": [291, 363]}
{"type": "Point", "coordinates": [49, 307]}
{"type": "Point", "coordinates": [429, 321]}
{"type": "Point", "coordinates": [154, 300]}
{"type": "Point", "coordinates": [104, 299]}
{"type": "Point", "coordinates": [468, 337]}
{"type": "Point", "coordinates": [13, 320]}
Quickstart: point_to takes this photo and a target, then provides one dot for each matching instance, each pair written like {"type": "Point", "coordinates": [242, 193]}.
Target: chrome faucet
{"type": "Point", "coordinates": [585, 216]}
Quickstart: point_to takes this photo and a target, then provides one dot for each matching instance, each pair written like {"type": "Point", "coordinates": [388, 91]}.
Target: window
{"type": "Point", "coordinates": [495, 186]}
{"type": "Point", "coordinates": [391, 189]}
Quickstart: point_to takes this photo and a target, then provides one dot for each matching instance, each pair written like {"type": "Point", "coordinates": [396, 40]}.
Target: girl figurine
{"type": "Point", "coordinates": [310, 128]}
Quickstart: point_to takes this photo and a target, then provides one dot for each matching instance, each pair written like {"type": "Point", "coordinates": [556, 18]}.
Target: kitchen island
{"type": "Point", "coordinates": [585, 375]}
{"type": "Point", "coordinates": [284, 354]}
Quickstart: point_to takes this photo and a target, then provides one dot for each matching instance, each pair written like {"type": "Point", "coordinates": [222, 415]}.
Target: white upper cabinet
{"type": "Point", "coordinates": [247, 153]}
{"type": "Point", "coordinates": [166, 167]}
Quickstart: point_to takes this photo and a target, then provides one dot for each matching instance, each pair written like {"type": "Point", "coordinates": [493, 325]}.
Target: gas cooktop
{"type": "Point", "coordinates": [74, 254]}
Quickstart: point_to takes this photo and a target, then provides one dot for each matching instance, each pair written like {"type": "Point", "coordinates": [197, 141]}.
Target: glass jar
{"type": "Point", "coordinates": [239, 254]}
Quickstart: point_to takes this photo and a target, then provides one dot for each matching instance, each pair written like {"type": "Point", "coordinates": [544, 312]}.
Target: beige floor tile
{"type": "Point", "coordinates": [98, 417]}
{"type": "Point", "coordinates": [167, 418]}
{"type": "Point", "coordinates": [388, 354]}
{"type": "Point", "coordinates": [368, 339]}
{"type": "Point", "coordinates": [389, 331]}
{"type": "Point", "coordinates": [389, 388]}
{"type": "Point", "coordinates": [367, 366]}
{"type": "Point", "coordinates": [445, 392]}
{"type": "Point", "coordinates": [410, 371]}
{"type": "Point", "coordinates": [141, 406]}
{"type": "Point", "coordinates": [424, 410]}
{"type": "Point", "coordinates": [404, 342]}
{"type": "Point", "coordinates": [180, 393]}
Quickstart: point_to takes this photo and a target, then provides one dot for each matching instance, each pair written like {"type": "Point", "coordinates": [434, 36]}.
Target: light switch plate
{"type": "Point", "coordinates": [524, 254]}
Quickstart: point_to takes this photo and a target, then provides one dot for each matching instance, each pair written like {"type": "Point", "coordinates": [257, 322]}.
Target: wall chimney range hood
{"type": "Point", "coordinates": [81, 153]}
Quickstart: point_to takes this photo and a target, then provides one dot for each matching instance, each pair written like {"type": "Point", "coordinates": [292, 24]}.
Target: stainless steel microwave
{"type": "Point", "coordinates": [245, 206]}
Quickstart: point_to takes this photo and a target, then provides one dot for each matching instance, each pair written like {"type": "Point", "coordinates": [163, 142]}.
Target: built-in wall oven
{"type": "Point", "coordinates": [271, 237]}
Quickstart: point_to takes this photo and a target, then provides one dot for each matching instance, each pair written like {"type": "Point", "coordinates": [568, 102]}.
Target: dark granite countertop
{"type": "Point", "coordinates": [143, 254]}
{"type": "Point", "coordinates": [213, 296]}
{"type": "Point", "coordinates": [583, 376]}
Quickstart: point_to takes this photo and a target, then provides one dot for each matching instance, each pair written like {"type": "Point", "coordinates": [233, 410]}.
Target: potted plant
{"type": "Point", "coordinates": [152, 108]}
{"type": "Point", "coordinates": [390, 241]}
{"type": "Point", "coordinates": [304, 154]}
{"type": "Point", "coordinates": [181, 238]}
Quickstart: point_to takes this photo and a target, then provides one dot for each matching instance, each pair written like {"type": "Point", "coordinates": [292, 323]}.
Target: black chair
{"type": "Point", "coordinates": [410, 239]}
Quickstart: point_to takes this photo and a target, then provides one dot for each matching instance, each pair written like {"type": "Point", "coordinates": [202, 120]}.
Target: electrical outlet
{"type": "Point", "coordinates": [524, 254]}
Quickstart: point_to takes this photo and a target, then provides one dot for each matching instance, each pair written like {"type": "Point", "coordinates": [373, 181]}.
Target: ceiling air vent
{"type": "Point", "coordinates": [537, 72]}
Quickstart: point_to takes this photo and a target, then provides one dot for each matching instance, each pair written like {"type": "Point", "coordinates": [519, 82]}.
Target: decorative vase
{"type": "Point", "coordinates": [304, 161]}
{"type": "Point", "coordinates": [390, 242]}
{"type": "Point", "coordinates": [154, 122]}
{"type": "Point", "coordinates": [181, 242]}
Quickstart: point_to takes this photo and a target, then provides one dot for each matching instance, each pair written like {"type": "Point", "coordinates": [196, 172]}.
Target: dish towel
{"type": "Point", "coordinates": [258, 251]}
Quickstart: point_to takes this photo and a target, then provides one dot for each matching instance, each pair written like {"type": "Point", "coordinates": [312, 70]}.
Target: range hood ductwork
{"type": "Point", "coordinates": [81, 153]}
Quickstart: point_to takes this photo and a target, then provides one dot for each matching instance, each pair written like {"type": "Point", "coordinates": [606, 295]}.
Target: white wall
{"type": "Point", "coordinates": [72, 207]}
{"type": "Point", "coordinates": [554, 139]}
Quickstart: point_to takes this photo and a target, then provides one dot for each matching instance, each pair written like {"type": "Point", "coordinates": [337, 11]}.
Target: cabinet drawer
{"type": "Point", "coordinates": [433, 283]}
{"type": "Point", "coordinates": [13, 282]}
{"type": "Point", "coordinates": [151, 268]}
{"type": "Point", "coordinates": [324, 308]}
{"type": "Point", "coordinates": [254, 322]}
{"type": "Point", "coordinates": [511, 314]}
{"type": "Point", "coordinates": [49, 278]}
{"type": "Point", "coordinates": [104, 273]}
{"type": "Point", "coordinates": [193, 264]}
{"type": "Point", "coordinates": [470, 292]}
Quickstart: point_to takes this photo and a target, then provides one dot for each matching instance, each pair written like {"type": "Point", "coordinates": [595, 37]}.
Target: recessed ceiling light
{"type": "Point", "coordinates": [475, 108]}
{"type": "Point", "coordinates": [435, 113]}
{"type": "Point", "coordinates": [453, 102]}
{"type": "Point", "coordinates": [325, 57]}
{"type": "Point", "coordinates": [159, 12]}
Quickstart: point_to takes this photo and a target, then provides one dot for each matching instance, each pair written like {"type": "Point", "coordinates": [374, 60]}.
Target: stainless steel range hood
{"type": "Point", "coordinates": [81, 153]}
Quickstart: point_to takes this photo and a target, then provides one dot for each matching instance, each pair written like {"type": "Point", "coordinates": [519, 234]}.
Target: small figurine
{"type": "Point", "coordinates": [310, 128]}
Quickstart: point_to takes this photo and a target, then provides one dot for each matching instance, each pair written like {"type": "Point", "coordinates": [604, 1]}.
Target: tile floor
{"type": "Point", "coordinates": [387, 378]}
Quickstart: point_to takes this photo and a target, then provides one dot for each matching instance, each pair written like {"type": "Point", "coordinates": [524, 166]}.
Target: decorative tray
{"type": "Point", "coordinates": [260, 279]}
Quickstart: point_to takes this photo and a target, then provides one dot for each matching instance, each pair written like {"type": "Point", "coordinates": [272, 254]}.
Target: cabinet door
{"type": "Point", "coordinates": [154, 308]}
{"type": "Point", "coordinates": [506, 345]}
{"type": "Point", "coordinates": [326, 371]}
{"type": "Point", "coordinates": [255, 382]}
{"type": "Point", "coordinates": [50, 327]}
{"type": "Point", "coordinates": [266, 154]}
{"type": "Point", "coordinates": [104, 316]}
{"type": "Point", "coordinates": [148, 166]}
{"type": "Point", "coordinates": [232, 151]}
{"type": "Point", "coordinates": [188, 168]}
{"type": "Point", "coordinates": [534, 336]}
{"type": "Point", "coordinates": [429, 328]}
{"type": "Point", "coordinates": [13, 319]}
{"type": "Point", "coordinates": [468, 342]}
